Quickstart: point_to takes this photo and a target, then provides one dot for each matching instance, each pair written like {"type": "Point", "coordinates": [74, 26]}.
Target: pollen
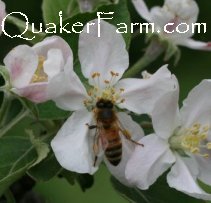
{"type": "Point", "coordinates": [106, 91]}
{"type": "Point", "coordinates": [192, 139]}
{"type": "Point", "coordinates": [113, 74]}
{"type": "Point", "coordinates": [40, 75]}
{"type": "Point", "coordinates": [95, 74]}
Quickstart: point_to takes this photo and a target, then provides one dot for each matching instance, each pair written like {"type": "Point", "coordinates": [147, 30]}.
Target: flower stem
{"type": "Point", "coordinates": [4, 108]}
{"type": "Point", "coordinates": [18, 118]}
{"type": "Point", "coordinates": [154, 50]}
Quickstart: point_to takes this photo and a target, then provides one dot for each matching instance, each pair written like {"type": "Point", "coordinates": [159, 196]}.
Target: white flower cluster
{"type": "Point", "coordinates": [174, 13]}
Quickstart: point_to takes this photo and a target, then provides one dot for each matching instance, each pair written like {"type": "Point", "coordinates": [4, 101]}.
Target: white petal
{"type": "Point", "coordinates": [204, 165]}
{"type": "Point", "coordinates": [2, 14]}
{"type": "Point", "coordinates": [181, 177]}
{"type": "Point", "coordinates": [21, 62]}
{"type": "Point", "coordinates": [191, 43]}
{"type": "Point", "coordinates": [141, 95]}
{"type": "Point", "coordinates": [142, 9]}
{"type": "Point", "coordinates": [127, 147]}
{"type": "Point", "coordinates": [53, 42]}
{"type": "Point", "coordinates": [183, 8]}
{"type": "Point", "coordinates": [165, 115]}
{"type": "Point", "coordinates": [54, 63]}
{"type": "Point", "coordinates": [73, 144]}
{"type": "Point", "coordinates": [36, 92]}
{"type": "Point", "coordinates": [149, 162]}
{"type": "Point", "coordinates": [86, 5]}
{"type": "Point", "coordinates": [102, 54]}
{"type": "Point", "coordinates": [131, 126]}
{"type": "Point", "coordinates": [177, 12]}
{"type": "Point", "coordinates": [197, 106]}
{"type": "Point", "coordinates": [67, 90]}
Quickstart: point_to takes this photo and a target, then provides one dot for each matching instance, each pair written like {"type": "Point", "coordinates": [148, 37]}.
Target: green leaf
{"type": "Point", "coordinates": [160, 192]}
{"type": "Point", "coordinates": [21, 25]}
{"type": "Point", "coordinates": [49, 110]}
{"type": "Point", "coordinates": [17, 154]}
{"type": "Point", "coordinates": [69, 176]}
{"type": "Point", "coordinates": [46, 169]}
{"type": "Point", "coordinates": [51, 9]}
{"type": "Point", "coordinates": [85, 181]}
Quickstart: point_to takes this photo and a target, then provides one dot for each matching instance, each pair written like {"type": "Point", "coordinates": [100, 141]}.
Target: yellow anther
{"type": "Point", "coordinates": [122, 101]}
{"type": "Point", "coordinates": [122, 89]}
{"type": "Point", "coordinates": [192, 139]}
{"type": "Point", "coordinates": [95, 74]}
{"type": "Point", "coordinates": [90, 93]}
{"type": "Point", "coordinates": [112, 73]}
{"type": "Point", "coordinates": [209, 145]}
{"type": "Point", "coordinates": [40, 75]}
{"type": "Point", "coordinates": [206, 128]}
{"type": "Point", "coordinates": [203, 136]}
{"type": "Point", "coordinates": [205, 155]}
{"type": "Point", "coordinates": [107, 93]}
{"type": "Point", "coordinates": [195, 150]}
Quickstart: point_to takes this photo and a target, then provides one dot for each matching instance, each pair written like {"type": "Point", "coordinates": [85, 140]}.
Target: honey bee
{"type": "Point", "coordinates": [108, 129]}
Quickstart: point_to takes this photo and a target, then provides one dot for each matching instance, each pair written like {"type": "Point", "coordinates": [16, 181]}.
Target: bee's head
{"type": "Point", "coordinates": [107, 104]}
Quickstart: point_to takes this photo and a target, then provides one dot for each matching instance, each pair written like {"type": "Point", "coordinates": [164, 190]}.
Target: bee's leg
{"type": "Point", "coordinates": [96, 148]}
{"type": "Point", "coordinates": [128, 137]}
{"type": "Point", "coordinates": [91, 126]}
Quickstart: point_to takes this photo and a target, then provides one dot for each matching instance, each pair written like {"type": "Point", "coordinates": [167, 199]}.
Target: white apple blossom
{"type": "Point", "coordinates": [103, 61]}
{"type": "Point", "coordinates": [174, 12]}
{"type": "Point", "coordinates": [181, 142]}
{"type": "Point", "coordinates": [32, 68]}
{"type": "Point", "coordinates": [2, 14]}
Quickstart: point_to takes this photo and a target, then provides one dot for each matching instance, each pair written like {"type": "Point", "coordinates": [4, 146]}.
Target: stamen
{"type": "Point", "coordinates": [107, 93]}
{"type": "Point", "coordinates": [205, 155]}
{"type": "Point", "coordinates": [209, 145]}
{"type": "Point", "coordinates": [40, 75]}
{"type": "Point", "coordinates": [192, 139]}
{"type": "Point", "coordinates": [113, 74]}
{"type": "Point", "coordinates": [95, 74]}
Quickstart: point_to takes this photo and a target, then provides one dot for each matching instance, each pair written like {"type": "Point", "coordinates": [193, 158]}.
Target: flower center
{"type": "Point", "coordinates": [109, 92]}
{"type": "Point", "coordinates": [192, 140]}
{"type": "Point", "coordinates": [40, 75]}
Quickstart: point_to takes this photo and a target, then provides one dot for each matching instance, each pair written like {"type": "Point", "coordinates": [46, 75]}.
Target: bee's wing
{"type": "Point", "coordinates": [126, 133]}
{"type": "Point", "coordinates": [100, 133]}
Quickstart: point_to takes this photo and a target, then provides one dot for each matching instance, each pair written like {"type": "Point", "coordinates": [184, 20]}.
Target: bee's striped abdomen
{"type": "Point", "coordinates": [113, 151]}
